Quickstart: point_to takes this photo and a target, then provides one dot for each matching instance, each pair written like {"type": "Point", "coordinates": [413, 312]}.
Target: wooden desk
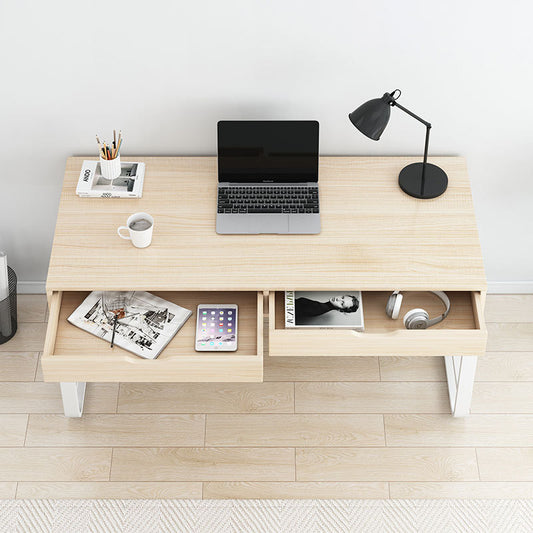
{"type": "Point", "coordinates": [374, 238]}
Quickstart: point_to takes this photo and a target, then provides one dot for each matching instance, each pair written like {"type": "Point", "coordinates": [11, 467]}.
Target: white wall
{"type": "Point", "coordinates": [165, 71]}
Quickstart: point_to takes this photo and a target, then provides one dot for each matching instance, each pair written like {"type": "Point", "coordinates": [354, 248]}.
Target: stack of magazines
{"type": "Point", "coordinates": [324, 309]}
{"type": "Point", "coordinates": [136, 321]}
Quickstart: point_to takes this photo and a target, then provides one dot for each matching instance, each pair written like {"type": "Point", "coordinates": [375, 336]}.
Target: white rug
{"type": "Point", "coordinates": [259, 516]}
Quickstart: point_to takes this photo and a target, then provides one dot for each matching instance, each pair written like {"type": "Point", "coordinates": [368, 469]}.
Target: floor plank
{"type": "Point", "coordinates": [8, 490]}
{"type": "Point", "coordinates": [445, 430]}
{"type": "Point", "coordinates": [294, 430]}
{"type": "Point", "coordinates": [505, 366]}
{"type": "Point", "coordinates": [505, 464]}
{"type": "Point", "coordinates": [461, 490]}
{"type": "Point", "coordinates": [502, 398]}
{"type": "Point", "coordinates": [412, 369]}
{"type": "Point", "coordinates": [253, 436]}
{"type": "Point", "coordinates": [206, 398]}
{"type": "Point", "coordinates": [109, 490]}
{"type": "Point", "coordinates": [54, 464]}
{"type": "Point", "coordinates": [509, 308]}
{"type": "Point", "coordinates": [203, 464]}
{"type": "Point", "coordinates": [509, 337]}
{"type": "Point", "coordinates": [39, 397]}
{"type": "Point", "coordinates": [29, 338]}
{"type": "Point", "coordinates": [295, 490]}
{"type": "Point", "coordinates": [31, 307]}
{"type": "Point", "coordinates": [116, 430]}
{"type": "Point", "coordinates": [13, 429]}
{"type": "Point", "coordinates": [352, 397]}
{"type": "Point", "coordinates": [18, 366]}
{"type": "Point", "coordinates": [386, 464]}
{"type": "Point", "coordinates": [39, 371]}
{"type": "Point", "coordinates": [321, 369]}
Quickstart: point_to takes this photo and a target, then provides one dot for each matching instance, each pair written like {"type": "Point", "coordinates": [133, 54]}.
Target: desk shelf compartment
{"type": "Point", "coordinates": [71, 354]}
{"type": "Point", "coordinates": [462, 333]}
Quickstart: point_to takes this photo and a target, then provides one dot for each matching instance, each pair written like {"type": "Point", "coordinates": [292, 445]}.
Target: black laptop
{"type": "Point", "coordinates": [268, 176]}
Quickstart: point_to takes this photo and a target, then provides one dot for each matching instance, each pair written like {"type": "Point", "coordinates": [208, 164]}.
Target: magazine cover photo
{"type": "Point", "coordinates": [336, 309]}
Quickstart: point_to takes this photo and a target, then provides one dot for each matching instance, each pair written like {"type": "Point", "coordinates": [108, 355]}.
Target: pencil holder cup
{"type": "Point", "coordinates": [8, 308]}
{"type": "Point", "coordinates": [110, 168]}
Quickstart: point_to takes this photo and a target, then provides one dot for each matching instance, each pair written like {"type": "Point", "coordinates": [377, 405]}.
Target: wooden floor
{"type": "Point", "coordinates": [317, 427]}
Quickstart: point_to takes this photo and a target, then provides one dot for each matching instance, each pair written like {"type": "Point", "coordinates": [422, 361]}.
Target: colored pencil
{"type": "Point", "coordinates": [112, 150]}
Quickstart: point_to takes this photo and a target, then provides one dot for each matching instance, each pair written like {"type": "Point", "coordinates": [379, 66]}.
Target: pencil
{"type": "Point", "coordinates": [114, 138]}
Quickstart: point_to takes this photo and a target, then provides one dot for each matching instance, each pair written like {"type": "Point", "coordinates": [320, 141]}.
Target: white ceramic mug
{"type": "Point", "coordinates": [110, 168]}
{"type": "Point", "coordinates": [142, 237]}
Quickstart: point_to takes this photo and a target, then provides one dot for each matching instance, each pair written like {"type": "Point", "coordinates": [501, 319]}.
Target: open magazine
{"type": "Point", "coordinates": [324, 309]}
{"type": "Point", "coordinates": [141, 322]}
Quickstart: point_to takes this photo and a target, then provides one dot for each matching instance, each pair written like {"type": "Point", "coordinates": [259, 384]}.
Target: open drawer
{"type": "Point", "coordinates": [462, 333]}
{"type": "Point", "coordinates": [71, 354]}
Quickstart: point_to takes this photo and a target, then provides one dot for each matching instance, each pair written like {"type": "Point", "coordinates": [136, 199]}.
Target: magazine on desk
{"type": "Point", "coordinates": [91, 183]}
{"type": "Point", "coordinates": [145, 323]}
{"type": "Point", "coordinates": [324, 309]}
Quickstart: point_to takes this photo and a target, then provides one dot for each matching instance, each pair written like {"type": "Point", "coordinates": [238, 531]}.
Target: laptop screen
{"type": "Point", "coordinates": [267, 151]}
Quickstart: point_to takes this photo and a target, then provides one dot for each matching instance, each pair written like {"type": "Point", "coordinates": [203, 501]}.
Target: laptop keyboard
{"type": "Point", "coordinates": [255, 199]}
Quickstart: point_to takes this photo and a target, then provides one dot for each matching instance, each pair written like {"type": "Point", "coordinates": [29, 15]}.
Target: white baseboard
{"type": "Point", "coordinates": [510, 287]}
{"type": "Point", "coordinates": [31, 287]}
{"type": "Point", "coordinates": [494, 287]}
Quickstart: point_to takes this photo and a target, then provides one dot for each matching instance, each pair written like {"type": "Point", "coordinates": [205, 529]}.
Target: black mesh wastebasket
{"type": "Point", "coordinates": [8, 309]}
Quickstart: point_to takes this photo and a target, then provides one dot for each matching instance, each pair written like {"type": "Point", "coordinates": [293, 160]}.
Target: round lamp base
{"type": "Point", "coordinates": [435, 182]}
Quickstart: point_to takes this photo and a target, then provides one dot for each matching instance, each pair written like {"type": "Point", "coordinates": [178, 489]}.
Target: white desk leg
{"type": "Point", "coordinates": [460, 373]}
{"type": "Point", "coordinates": [73, 394]}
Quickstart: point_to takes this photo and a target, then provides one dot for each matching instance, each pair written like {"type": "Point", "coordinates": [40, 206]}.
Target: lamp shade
{"type": "Point", "coordinates": [372, 117]}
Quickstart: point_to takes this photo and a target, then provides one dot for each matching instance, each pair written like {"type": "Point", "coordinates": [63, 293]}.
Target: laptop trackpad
{"type": "Point", "coordinates": [268, 223]}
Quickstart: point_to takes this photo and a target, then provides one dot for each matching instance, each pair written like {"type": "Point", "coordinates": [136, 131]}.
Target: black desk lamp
{"type": "Point", "coordinates": [421, 180]}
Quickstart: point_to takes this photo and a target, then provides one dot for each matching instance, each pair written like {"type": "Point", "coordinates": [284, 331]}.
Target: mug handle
{"type": "Point", "coordinates": [128, 238]}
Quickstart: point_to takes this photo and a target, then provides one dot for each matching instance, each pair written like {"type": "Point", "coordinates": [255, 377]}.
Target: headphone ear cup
{"type": "Point", "coordinates": [390, 305]}
{"type": "Point", "coordinates": [416, 319]}
{"type": "Point", "coordinates": [396, 306]}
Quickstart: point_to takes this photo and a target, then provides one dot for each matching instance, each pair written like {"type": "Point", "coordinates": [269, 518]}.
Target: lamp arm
{"type": "Point", "coordinates": [428, 128]}
{"type": "Point", "coordinates": [395, 103]}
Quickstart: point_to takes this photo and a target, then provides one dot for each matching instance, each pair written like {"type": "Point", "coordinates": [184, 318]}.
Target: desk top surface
{"type": "Point", "coordinates": [374, 237]}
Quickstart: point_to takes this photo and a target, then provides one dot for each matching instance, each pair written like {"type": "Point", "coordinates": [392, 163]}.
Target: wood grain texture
{"type": "Point", "coordinates": [413, 243]}
{"type": "Point", "coordinates": [29, 338]}
{"type": "Point", "coordinates": [505, 464]}
{"type": "Point", "coordinates": [294, 430]}
{"type": "Point", "coordinates": [116, 430]}
{"type": "Point", "coordinates": [386, 464]}
{"type": "Point", "coordinates": [295, 490]}
{"type": "Point", "coordinates": [38, 397]}
{"type": "Point", "coordinates": [505, 337]}
{"type": "Point", "coordinates": [31, 307]}
{"type": "Point", "coordinates": [55, 464]}
{"type": "Point", "coordinates": [505, 366]}
{"type": "Point", "coordinates": [412, 369]}
{"type": "Point", "coordinates": [503, 398]}
{"type": "Point", "coordinates": [206, 398]}
{"type": "Point", "coordinates": [480, 490]}
{"type": "Point", "coordinates": [509, 308]}
{"type": "Point", "coordinates": [13, 429]}
{"type": "Point", "coordinates": [321, 369]}
{"type": "Point", "coordinates": [474, 430]}
{"type": "Point", "coordinates": [109, 490]}
{"type": "Point", "coordinates": [203, 464]}
{"type": "Point", "coordinates": [8, 490]}
{"type": "Point", "coordinates": [378, 397]}
{"type": "Point", "coordinates": [502, 379]}
{"type": "Point", "coordinates": [18, 366]}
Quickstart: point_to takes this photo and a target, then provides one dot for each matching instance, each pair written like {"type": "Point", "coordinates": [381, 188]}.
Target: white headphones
{"type": "Point", "coordinates": [416, 318]}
